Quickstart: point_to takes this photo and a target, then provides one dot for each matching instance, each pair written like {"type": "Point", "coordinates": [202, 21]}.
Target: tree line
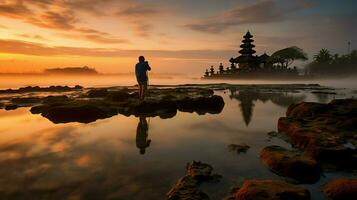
{"type": "Point", "coordinates": [324, 63]}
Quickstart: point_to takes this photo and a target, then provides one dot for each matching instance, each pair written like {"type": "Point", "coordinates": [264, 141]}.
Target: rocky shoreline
{"type": "Point", "coordinates": [323, 136]}
{"type": "Point", "coordinates": [319, 132]}
{"type": "Point", "coordinates": [65, 104]}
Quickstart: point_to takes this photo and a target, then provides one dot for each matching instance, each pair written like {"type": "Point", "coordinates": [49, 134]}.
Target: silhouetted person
{"type": "Point", "coordinates": [141, 72]}
{"type": "Point", "coordinates": [142, 141]}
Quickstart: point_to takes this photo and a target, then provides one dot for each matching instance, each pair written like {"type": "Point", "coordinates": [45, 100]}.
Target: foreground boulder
{"type": "Point", "coordinates": [326, 132]}
{"type": "Point", "coordinates": [291, 164]}
{"type": "Point", "coordinates": [341, 189]}
{"type": "Point", "coordinates": [271, 190]}
{"type": "Point", "coordinates": [187, 188]}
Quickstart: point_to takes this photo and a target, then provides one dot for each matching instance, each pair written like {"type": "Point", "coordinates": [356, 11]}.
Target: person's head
{"type": "Point", "coordinates": [141, 58]}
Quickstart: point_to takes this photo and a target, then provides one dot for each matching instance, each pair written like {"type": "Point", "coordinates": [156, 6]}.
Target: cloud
{"type": "Point", "coordinates": [15, 9]}
{"type": "Point", "coordinates": [30, 48]}
{"type": "Point", "coordinates": [55, 15]}
{"type": "Point", "coordinates": [32, 36]}
{"type": "Point", "coordinates": [265, 11]}
{"type": "Point", "coordinates": [140, 17]}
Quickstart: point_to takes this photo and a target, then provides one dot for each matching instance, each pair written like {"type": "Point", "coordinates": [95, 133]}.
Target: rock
{"type": "Point", "coordinates": [54, 99]}
{"type": "Point", "coordinates": [72, 113]}
{"type": "Point", "coordinates": [200, 171]}
{"type": "Point", "coordinates": [163, 102]}
{"type": "Point", "coordinates": [97, 93]}
{"type": "Point", "coordinates": [26, 100]}
{"type": "Point", "coordinates": [151, 108]}
{"type": "Point", "coordinates": [1, 105]}
{"type": "Point", "coordinates": [341, 189]}
{"type": "Point", "coordinates": [239, 148]}
{"type": "Point", "coordinates": [322, 130]}
{"type": "Point", "coordinates": [119, 96]}
{"type": "Point", "coordinates": [272, 134]}
{"type": "Point", "coordinates": [306, 109]}
{"type": "Point", "coordinates": [291, 164]}
{"type": "Point", "coordinates": [324, 92]}
{"type": "Point", "coordinates": [187, 188]}
{"type": "Point", "coordinates": [42, 89]}
{"type": "Point", "coordinates": [271, 190]}
{"type": "Point", "coordinates": [11, 107]}
{"type": "Point", "coordinates": [201, 105]}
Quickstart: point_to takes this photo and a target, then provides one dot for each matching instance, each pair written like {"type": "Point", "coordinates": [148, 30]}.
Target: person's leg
{"type": "Point", "coordinates": [140, 90]}
{"type": "Point", "coordinates": [145, 87]}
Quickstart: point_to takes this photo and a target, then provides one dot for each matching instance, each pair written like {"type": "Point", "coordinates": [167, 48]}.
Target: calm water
{"type": "Point", "coordinates": [16, 81]}
{"type": "Point", "coordinates": [113, 158]}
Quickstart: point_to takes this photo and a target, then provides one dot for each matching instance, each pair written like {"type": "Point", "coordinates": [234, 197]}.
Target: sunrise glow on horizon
{"type": "Point", "coordinates": [176, 36]}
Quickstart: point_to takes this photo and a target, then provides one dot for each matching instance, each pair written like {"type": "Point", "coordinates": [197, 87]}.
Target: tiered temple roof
{"type": "Point", "coordinates": [247, 46]}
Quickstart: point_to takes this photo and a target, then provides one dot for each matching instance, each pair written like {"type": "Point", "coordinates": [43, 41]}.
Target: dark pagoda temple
{"type": "Point", "coordinates": [248, 65]}
{"type": "Point", "coordinates": [246, 60]}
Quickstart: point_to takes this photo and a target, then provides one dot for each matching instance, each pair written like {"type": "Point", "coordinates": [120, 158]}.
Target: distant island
{"type": "Point", "coordinates": [72, 70]}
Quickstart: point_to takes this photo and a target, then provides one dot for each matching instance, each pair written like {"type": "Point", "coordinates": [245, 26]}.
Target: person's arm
{"type": "Point", "coordinates": [148, 66]}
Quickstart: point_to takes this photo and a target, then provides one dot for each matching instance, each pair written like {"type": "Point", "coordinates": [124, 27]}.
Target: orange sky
{"type": "Point", "coordinates": [176, 36]}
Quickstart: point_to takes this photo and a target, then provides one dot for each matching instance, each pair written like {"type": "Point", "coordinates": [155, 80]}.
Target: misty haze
{"type": "Point", "coordinates": [178, 100]}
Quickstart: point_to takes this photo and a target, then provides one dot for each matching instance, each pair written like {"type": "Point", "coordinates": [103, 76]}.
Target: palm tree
{"type": "Point", "coordinates": [323, 57]}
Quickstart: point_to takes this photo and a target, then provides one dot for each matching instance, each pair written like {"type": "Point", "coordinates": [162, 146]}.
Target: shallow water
{"type": "Point", "coordinates": [16, 81]}
{"type": "Point", "coordinates": [102, 160]}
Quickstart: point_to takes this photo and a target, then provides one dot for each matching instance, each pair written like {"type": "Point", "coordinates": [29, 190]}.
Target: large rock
{"type": "Point", "coordinates": [341, 189]}
{"type": "Point", "coordinates": [271, 190]}
{"type": "Point", "coordinates": [291, 164]}
{"type": "Point", "coordinates": [187, 188]}
{"type": "Point", "coordinates": [11, 107]}
{"type": "Point", "coordinates": [201, 105]}
{"type": "Point", "coordinates": [26, 100]}
{"type": "Point", "coordinates": [104, 103]}
{"type": "Point", "coordinates": [76, 113]}
{"type": "Point", "coordinates": [150, 108]}
{"type": "Point", "coordinates": [326, 132]}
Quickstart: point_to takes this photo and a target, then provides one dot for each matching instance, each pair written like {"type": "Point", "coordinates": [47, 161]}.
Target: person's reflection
{"type": "Point", "coordinates": [142, 141]}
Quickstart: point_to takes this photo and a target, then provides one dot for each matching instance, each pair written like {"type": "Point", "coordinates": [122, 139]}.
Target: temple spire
{"type": "Point", "coordinates": [247, 46]}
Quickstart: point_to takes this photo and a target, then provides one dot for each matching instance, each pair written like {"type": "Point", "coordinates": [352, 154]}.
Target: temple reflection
{"type": "Point", "coordinates": [247, 99]}
{"type": "Point", "coordinates": [142, 134]}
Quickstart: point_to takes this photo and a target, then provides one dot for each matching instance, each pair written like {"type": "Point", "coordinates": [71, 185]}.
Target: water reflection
{"type": "Point", "coordinates": [142, 134]}
{"type": "Point", "coordinates": [247, 99]}
{"type": "Point", "coordinates": [42, 160]}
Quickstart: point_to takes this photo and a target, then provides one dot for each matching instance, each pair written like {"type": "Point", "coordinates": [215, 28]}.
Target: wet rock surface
{"type": "Point", "coordinates": [270, 190]}
{"type": "Point", "coordinates": [341, 189]}
{"type": "Point", "coordinates": [89, 105]}
{"type": "Point", "coordinates": [187, 188]}
{"type": "Point", "coordinates": [239, 148]}
{"type": "Point", "coordinates": [326, 132]}
{"type": "Point", "coordinates": [291, 164]}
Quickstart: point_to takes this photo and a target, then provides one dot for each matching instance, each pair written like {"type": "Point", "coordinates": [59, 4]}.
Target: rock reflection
{"type": "Point", "coordinates": [247, 99]}
{"type": "Point", "coordinates": [142, 133]}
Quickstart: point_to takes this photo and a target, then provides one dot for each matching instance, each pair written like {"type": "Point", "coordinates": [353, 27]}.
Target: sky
{"type": "Point", "coordinates": [176, 36]}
